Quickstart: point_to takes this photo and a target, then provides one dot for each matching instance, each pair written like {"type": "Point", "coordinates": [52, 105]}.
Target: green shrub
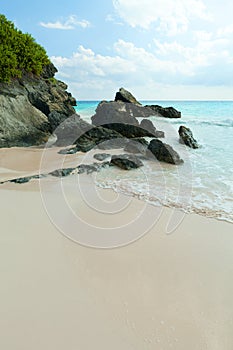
{"type": "Point", "coordinates": [19, 52]}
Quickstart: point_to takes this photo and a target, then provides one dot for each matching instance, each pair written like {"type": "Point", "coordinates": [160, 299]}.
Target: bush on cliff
{"type": "Point", "coordinates": [19, 52]}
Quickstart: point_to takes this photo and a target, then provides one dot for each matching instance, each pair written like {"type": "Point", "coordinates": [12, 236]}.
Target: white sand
{"type": "Point", "coordinates": [160, 292]}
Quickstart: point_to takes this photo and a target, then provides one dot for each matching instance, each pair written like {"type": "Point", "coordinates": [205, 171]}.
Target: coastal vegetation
{"type": "Point", "coordinates": [19, 52]}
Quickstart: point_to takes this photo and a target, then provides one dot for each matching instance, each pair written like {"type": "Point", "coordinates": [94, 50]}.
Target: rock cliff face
{"type": "Point", "coordinates": [32, 107]}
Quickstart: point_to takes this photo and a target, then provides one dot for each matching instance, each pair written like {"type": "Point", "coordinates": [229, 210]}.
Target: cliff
{"type": "Point", "coordinates": [31, 107]}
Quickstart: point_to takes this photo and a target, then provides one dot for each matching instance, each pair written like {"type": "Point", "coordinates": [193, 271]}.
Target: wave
{"type": "Point", "coordinates": [227, 123]}
{"type": "Point", "coordinates": [203, 210]}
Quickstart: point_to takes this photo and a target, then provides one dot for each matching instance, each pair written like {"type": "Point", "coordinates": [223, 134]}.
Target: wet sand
{"type": "Point", "coordinates": [163, 291]}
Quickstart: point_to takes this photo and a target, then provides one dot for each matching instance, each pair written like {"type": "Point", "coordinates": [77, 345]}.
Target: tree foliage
{"type": "Point", "coordinates": [19, 52]}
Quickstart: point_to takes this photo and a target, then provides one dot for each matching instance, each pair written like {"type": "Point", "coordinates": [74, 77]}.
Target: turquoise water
{"type": "Point", "coordinates": [204, 184]}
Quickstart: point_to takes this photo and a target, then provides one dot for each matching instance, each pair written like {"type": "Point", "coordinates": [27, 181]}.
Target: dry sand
{"type": "Point", "coordinates": [160, 292]}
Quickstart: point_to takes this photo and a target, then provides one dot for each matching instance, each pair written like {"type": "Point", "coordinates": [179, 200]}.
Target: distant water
{"type": "Point", "coordinates": [204, 184]}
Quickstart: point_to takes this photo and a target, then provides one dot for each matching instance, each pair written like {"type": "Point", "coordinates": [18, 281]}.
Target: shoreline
{"type": "Point", "coordinates": [17, 162]}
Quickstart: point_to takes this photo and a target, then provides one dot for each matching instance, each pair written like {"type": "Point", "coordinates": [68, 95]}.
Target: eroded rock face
{"type": "Point", "coordinates": [126, 96]}
{"type": "Point", "coordinates": [163, 152]}
{"type": "Point", "coordinates": [32, 107]}
{"type": "Point", "coordinates": [186, 137]}
{"type": "Point", "coordinates": [126, 161]}
{"type": "Point", "coordinates": [166, 112]}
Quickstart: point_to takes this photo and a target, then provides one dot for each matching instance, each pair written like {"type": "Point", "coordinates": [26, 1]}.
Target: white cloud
{"type": "Point", "coordinates": [171, 17]}
{"type": "Point", "coordinates": [92, 75]}
{"type": "Point", "coordinates": [70, 23]}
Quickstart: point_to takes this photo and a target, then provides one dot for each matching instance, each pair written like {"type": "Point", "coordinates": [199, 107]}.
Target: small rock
{"type": "Point", "coordinates": [101, 156]}
{"type": "Point", "coordinates": [126, 161]}
{"type": "Point", "coordinates": [62, 172]}
{"type": "Point", "coordinates": [186, 137]}
{"type": "Point", "coordinates": [90, 168]}
{"type": "Point", "coordinates": [164, 152]}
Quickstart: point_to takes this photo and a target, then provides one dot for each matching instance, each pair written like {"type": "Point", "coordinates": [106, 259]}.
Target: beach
{"type": "Point", "coordinates": [161, 291]}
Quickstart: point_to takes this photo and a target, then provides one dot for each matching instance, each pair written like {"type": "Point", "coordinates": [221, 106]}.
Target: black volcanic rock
{"type": "Point", "coordinates": [164, 152]}
{"type": "Point", "coordinates": [166, 112]}
{"type": "Point", "coordinates": [126, 161]}
{"type": "Point", "coordinates": [186, 137]}
{"type": "Point", "coordinates": [126, 96]}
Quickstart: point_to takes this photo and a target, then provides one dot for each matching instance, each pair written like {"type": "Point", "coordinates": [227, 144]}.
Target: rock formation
{"type": "Point", "coordinates": [186, 137]}
{"type": "Point", "coordinates": [32, 107]}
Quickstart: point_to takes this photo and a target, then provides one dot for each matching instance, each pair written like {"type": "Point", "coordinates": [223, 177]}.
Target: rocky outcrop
{"type": "Point", "coordinates": [32, 107]}
{"type": "Point", "coordinates": [166, 112]}
{"type": "Point", "coordinates": [121, 117]}
{"type": "Point", "coordinates": [186, 137]}
{"type": "Point", "coordinates": [126, 96]}
{"type": "Point", "coordinates": [126, 161]}
{"type": "Point", "coordinates": [163, 152]}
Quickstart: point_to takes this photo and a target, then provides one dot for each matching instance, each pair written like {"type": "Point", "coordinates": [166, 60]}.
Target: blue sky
{"type": "Point", "coordinates": [158, 49]}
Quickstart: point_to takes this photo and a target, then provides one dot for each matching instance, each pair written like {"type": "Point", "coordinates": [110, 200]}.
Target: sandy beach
{"type": "Point", "coordinates": [163, 291]}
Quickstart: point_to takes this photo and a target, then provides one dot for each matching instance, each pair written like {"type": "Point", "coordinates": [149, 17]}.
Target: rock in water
{"type": "Point", "coordinates": [126, 96]}
{"type": "Point", "coordinates": [126, 161]}
{"type": "Point", "coordinates": [164, 152]}
{"type": "Point", "coordinates": [186, 137]}
{"type": "Point", "coordinates": [166, 112]}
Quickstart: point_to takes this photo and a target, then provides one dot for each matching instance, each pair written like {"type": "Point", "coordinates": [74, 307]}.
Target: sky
{"type": "Point", "coordinates": [157, 49]}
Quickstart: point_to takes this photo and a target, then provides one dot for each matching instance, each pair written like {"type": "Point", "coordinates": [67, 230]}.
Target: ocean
{"type": "Point", "coordinates": [204, 183]}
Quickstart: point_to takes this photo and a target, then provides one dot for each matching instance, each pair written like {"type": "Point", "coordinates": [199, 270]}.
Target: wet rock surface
{"type": "Point", "coordinates": [186, 137]}
{"type": "Point", "coordinates": [163, 152]}
{"type": "Point", "coordinates": [126, 161]}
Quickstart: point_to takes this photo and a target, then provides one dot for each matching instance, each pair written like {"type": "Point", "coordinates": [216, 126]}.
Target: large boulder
{"type": "Point", "coordinates": [121, 117]}
{"type": "Point", "coordinates": [163, 152]}
{"type": "Point", "coordinates": [186, 137]}
{"type": "Point", "coordinates": [126, 161]}
{"type": "Point", "coordinates": [166, 112]}
{"type": "Point", "coordinates": [126, 96]}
